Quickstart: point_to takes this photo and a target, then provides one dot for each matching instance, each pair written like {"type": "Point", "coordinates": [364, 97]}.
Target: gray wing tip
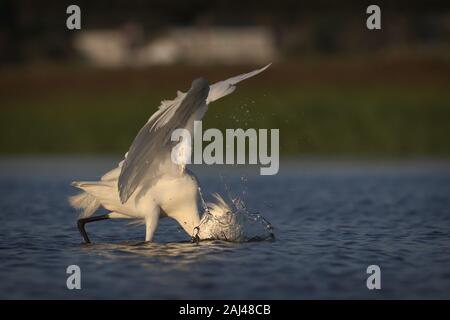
{"type": "Point", "coordinates": [123, 195]}
{"type": "Point", "coordinates": [263, 68]}
{"type": "Point", "coordinates": [121, 189]}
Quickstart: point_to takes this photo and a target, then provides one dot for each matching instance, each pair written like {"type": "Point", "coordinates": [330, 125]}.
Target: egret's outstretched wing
{"type": "Point", "coordinates": [150, 152]}
{"type": "Point", "coordinates": [152, 146]}
{"type": "Point", "coordinates": [223, 88]}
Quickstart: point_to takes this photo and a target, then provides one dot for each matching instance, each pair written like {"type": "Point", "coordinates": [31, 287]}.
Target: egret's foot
{"type": "Point", "coordinates": [83, 221]}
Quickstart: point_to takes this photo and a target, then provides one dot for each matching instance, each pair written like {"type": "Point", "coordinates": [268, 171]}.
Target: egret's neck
{"type": "Point", "coordinates": [178, 196]}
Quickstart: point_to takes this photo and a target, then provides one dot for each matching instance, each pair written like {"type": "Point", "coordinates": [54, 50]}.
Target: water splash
{"type": "Point", "coordinates": [237, 225]}
{"type": "Point", "coordinates": [232, 221]}
{"type": "Point", "coordinates": [204, 204]}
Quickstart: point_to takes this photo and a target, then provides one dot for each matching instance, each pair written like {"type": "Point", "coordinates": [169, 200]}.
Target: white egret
{"type": "Point", "coordinates": [147, 185]}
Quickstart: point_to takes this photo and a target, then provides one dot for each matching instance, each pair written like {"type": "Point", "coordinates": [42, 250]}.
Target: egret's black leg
{"type": "Point", "coordinates": [83, 221]}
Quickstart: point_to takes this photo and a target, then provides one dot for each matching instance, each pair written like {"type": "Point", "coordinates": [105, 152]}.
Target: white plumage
{"type": "Point", "coordinates": [147, 185]}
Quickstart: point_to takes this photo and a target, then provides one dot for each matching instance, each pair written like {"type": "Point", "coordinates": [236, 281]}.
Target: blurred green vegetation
{"type": "Point", "coordinates": [362, 112]}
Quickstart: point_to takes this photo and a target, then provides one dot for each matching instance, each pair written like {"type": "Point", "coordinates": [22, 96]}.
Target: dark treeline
{"type": "Point", "coordinates": [35, 30]}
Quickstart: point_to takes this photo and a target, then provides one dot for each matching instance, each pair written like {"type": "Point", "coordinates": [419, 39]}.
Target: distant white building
{"type": "Point", "coordinates": [201, 46]}
{"type": "Point", "coordinates": [103, 48]}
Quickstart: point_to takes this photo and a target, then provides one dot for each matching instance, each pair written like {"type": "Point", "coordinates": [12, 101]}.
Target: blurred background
{"type": "Point", "coordinates": [335, 88]}
{"type": "Point", "coordinates": [364, 133]}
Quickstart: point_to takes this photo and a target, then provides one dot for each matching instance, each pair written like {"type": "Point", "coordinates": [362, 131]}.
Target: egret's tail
{"type": "Point", "coordinates": [85, 202]}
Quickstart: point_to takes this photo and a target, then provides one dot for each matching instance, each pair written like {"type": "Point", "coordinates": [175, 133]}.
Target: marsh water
{"type": "Point", "coordinates": [331, 221]}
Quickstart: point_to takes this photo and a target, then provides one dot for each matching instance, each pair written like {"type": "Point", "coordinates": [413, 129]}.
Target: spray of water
{"type": "Point", "coordinates": [231, 221]}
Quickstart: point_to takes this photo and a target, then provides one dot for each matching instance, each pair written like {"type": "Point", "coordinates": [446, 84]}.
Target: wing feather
{"type": "Point", "coordinates": [223, 88]}
{"type": "Point", "coordinates": [150, 150]}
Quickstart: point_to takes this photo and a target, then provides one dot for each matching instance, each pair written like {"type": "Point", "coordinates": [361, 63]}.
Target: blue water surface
{"type": "Point", "coordinates": [332, 219]}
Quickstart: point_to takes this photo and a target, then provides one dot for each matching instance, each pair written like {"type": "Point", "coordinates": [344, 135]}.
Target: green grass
{"type": "Point", "coordinates": [332, 118]}
{"type": "Point", "coordinates": [386, 121]}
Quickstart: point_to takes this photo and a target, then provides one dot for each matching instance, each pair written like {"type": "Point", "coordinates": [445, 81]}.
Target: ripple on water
{"type": "Point", "coordinates": [328, 228]}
